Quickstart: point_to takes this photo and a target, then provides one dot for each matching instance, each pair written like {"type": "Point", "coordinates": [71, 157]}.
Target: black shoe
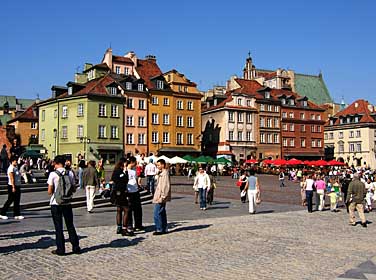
{"type": "Point", "coordinates": [364, 225]}
{"type": "Point", "coordinates": [352, 224]}
{"type": "Point", "coordinates": [127, 233]}
{"type": "Point", "coordinates": [141, 228]}
{"type": "Point", "coordinates": [158, 233]}
{"type": "Point", "coordinates": [77, 251]}
{"type": "Point", "coordinates": [118, 230]}
{"type": "Point", "coordinates": [56, 252]}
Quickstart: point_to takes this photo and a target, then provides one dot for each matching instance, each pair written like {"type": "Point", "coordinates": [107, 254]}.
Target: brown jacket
{"type": "Point", "coordinates": [357, 190]}
{"type": "Point", "coordinates": [163, 191]}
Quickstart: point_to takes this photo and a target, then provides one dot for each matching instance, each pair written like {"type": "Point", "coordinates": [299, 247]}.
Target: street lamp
{"type": "Point", "coordinates": [84, 140]}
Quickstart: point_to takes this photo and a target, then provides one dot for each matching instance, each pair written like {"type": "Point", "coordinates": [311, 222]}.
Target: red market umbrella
{"type": "Point", "coordinates": [307, 162]}
{"type": "Point", "coordinates": [320, 163]}
{"type": "Point", "coordinates": [267, 161]}
{"type": "Point", "coordinates": [294, 161]}
{"type": "Point", "coordinates": [335, 163]}
{"type": "Point", "coordinates": [251, 161]}
{"type": "Point", "coordinates": [279, 162]}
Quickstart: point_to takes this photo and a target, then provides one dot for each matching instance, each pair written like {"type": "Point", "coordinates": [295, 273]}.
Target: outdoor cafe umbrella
{"type": "Point", "coordinates": [279, 162]}
{"type": "Point", "coordinates": [335, 163]}
{"type": "Point", "coordinates": [222, 160]}
{"type": "Point", "coordinates": [165, 158]}
{"type": "Point", "coordinates": [267, 161]}
{"type": "Point", "coordinates": [294, 161]}
{"type": "Point", "coordinates": [177, 160]}
{"type": "Point", "coordinates": [188, 157]}
{"type": "Point", "coordinates": [320, 163]}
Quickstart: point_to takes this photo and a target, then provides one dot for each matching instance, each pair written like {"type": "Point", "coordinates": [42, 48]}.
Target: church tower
{"type": "Point", "coordinates": [249, 71]}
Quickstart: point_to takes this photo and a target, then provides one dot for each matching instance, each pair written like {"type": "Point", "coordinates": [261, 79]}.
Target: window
{"type": "Point", "coordinates": [248, 117]}
{"type": "Point", "coordinates": [179, 88]}
{"type": "Point", "coordinates": [269, 138]}
{"type": "Point", "coordinates": [331, 135]}
{"type": "Point", "coordinates": [276, 109]}
{"type": "Point", "coordinates": [292, 102]}
{"type": "Point", "coordinates": [130, 121]}
{"type": "Point", "coordinates": [318, 117]}
{"type": "Point", "coordinates": [114, 132]}
{"type": "Point", "coordinates": [275, 138]}
{"type": "Point", "coordinates": [117, 69]}
{"type": "Point", "coordinates": [113, 90]}
{"type": "Point", "coordinates": [64, 132]}
{"type": "Point", "coordinates": [341, 147]}
{"type": "Point", "coordinates": [159, 84]}
{"type": "Point", "coordinates": [141, 121]}
{"type": "Point", "coordinates": [33, 125]}
{"type": "Point", "coordinates": [240, 117]}
{"type": "Point", "coordinates": [126, 71]}
{"type": "Point", "coordinates": [130, 103]}
{"type": "Point", "coordinates": [302, 128]}
{"type": "Point", "coordinates": [269, 122]}
{"type": "Point", "coordinates": [43, 134]}
{"type": "Point", "coordinates": [240, 101]}
{"type": "Point", "coordinates": [65, 112]}
{"type": "Point", "coordinates": [276, 123]}
{"type": "Point", "coordinates": [313, 143]}
{"type": "Point", "coordinates": [102, 110]}
{"type": "Point", "coordinates": [230, 135]}
{"type": "Point", "coordinates": [302, 143]}
{"type": "Point", "coordinates": [283, 101]}
{"type": "Point", "coordinates": [262, 122]}
{"type": "Point", "coordinates": [190, 105]}
{"type": "Point", "coordinates": [141, 104]}
{"type": "Point", "coordinates": [292, 128]}
{"type": "Point", "coordinates": [284, 127]}
{"type": "Point", "coordinates": [141, 139]}
{"type": "Point", "coordinates": [284, 115]}
{"type": "Point", "coordinates": [240, 135]}
{"type": "Point", "coordinates": [154, 137]}
{"type": "Point", "coordinates": [262, 107]}
{"type": "Point", "coordinates": [179, 139]}
{"type": "Point", "coordinates": [166, 101]}
{"type": "Point", "coordinates": [270, 108]}
{"type": "Point", "coordinates": [351, 134]}
{"type": "Point", "coordinates": [55, 113]}
{"type": "Point", "coordinates": [291, 115]}
{"type": "Point", "coordinates": [231, 116]}
{"type": "Point", "coordinates": [179, 121]}
{"type": "Point", "coordinates": [140, 87]}
{"type": "Point", "coordinates": [166, 119]}
{"type": "Point", "coordinates": [249, 104]}
{"type": "Point", "coordinates": [249, 136]}
{"type": "Point", "coordinates": [166, 137]}
{"type": "Point", "coordinates": [312, 116]}
{"type": "Point", "coordinates": [357, 134]}
{"type": "Point", "coordinates": [185, 89]}
{"type": "Point", "coordinates": [292, 142]}
{"type": "Point", "coordinates": [284, 142]}
{"type": "Point", "coordinates": [319, 143]}
{"type": "Point", "coordinates": [312, 128]}
{"type": "Point", "coordinates": [80, 110]}
{"type": "Point", "coordinates": [130, 139]}
{"type": "Point", "coordinates": [189, 121]}
{"type": "Point", "coordinates": [154, 100]}
{"type": "Point", "coordinates": [114, 111]}
{"type": "Point", "coordinates": [340, 135]}
{"type": "Point", "coordinates": [318, 128]}
{"type": "Point", "coordinates": [80, 131]}
{"type": "Point", "coordinates": [305, 103]}
{"type": "Point", "coordinates": [267, 94]}
{"type": "Point", "coordinates": [190, 139]}
{"type": "Point", "coordinates": [179, 105]}
{"type": "Point", "coordinates": [302, 116]}
{"type": "Point", "coordinates": [352, 147]}
{"type": "Point", "coordinates": [356, 119]}
{"type": "Point", "coordinates": [128, 85]}
{"type": "Point", "coordinates": [262, 137]}
{"type": "Point", "coordinates": [154, 118]}
{"type": "Point", "coordinates": [358, 147]}
{"type": "Point", "coordinates": [102, 131]}
{"type": "Point", "coordinates": [326, 136]}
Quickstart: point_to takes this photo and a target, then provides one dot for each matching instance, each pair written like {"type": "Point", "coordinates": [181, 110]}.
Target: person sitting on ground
{"type": "Point", "coordinates": [26, 173]}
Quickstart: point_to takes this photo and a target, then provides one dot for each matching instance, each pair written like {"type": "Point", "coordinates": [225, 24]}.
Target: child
{"type": "Point", "coordinates": [333, 200]}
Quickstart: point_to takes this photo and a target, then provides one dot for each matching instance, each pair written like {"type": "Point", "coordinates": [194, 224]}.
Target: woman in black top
{"type": "Point", "coordinates": [119, 196]}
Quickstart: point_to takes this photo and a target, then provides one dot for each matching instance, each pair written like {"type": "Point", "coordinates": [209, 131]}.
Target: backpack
{"type": "Point", "coordinates": [65, 189]}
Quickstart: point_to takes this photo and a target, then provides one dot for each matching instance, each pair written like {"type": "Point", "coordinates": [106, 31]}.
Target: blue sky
{"type": "Point", "coordinates": [43, 42]}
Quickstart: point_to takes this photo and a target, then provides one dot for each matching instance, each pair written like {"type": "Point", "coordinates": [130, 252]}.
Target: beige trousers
{"type": "Point", "coordinates": [359, 207]}
{"type": "Point", "coordinates": [90, 194]}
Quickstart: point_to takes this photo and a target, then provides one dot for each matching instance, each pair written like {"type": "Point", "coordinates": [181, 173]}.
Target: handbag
{"type": "Point", "coordinates": [243, 193]}
{"type": "Point", "coordinates": [258, 198]}
{"type": "Point", "coordinates": [239, 183]}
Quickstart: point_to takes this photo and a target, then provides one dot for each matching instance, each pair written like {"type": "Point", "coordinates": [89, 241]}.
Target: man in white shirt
{"type": "Point", "coordinates": [62, 210]}
{"type": "Point", "coordinates": [150, 172]}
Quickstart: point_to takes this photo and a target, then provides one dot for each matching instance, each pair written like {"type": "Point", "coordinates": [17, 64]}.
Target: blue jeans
{"type": "Point", "coordinates": [309, 195]}
{"type": "Point", "coordinates": [202, 195]}
{"type": "Point", "coordinates": [150, 183]}
{"type": "Point", "coordinates": [160, 217]}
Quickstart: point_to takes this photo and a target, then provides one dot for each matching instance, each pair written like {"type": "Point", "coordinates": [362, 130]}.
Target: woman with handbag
{"type": "Point", "coordinates": [252, 187]}
{"type": "Point", "coordinates": [241, 184]}
{"type": "Point", "coordinates": [119, 196]}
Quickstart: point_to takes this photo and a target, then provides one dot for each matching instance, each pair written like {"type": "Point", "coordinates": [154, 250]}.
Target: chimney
{"type": "Point", "coordinates": [151, 57]}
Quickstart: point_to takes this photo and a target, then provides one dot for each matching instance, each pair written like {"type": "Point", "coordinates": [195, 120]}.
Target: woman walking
{"type": "Point", "coordinates": [252, 187]}
{"type": "Point", "coordinates": [202, 183]}
{"type": "Point", "coordinates": [161, 196]}
{"type": "Point", "coordinates": [242, 182]}
{"type": "Point", "coordinates": [303, 192]}
{"type": "Point", "coordinates": [321, 187]}
{"type": "Point", "coordinates": [309, 187]}
{"type": "Point", "coordinates": [210, 195]}
{"type": "Point", "coordinates": [119, 196]}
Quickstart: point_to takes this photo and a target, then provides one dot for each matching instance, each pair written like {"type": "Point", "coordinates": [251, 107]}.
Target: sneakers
{"type": "Point", "coordinates": [19, 217]}
{"type": "Point", "coordinates": [4, 217]}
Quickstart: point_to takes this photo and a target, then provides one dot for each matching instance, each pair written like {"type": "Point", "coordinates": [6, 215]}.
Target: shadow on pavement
{"type": "Point", "coordinates": [189, 228]}
{"type": "Point", "coordinates": [118, 243]}
{"type": "Point", "coordinates": [26, 234]}
{"type": "Point", "coordinates": [217, 207]}
{"type": "Point", "coordinates": [265, 212]}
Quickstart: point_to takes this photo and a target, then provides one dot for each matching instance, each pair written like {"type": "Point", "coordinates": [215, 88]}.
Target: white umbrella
{"type": "Point", "coordinates": [154, 158]}
{"type": "Point", "coordinates": [165, 158]}
{"type": "Point", "coordinates": [176, 160]}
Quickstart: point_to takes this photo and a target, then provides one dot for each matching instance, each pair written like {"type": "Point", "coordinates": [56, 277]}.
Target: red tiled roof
{"type": "Point", "coordinates": [148, 69]}
{"type": "Point", "coordinates": [358, 107]}
{"type": "Point", "coordinates": [278, 92]}
{"type": "Point", "coordinates": [247, 86]}
{"type": "Point", "coordinates": [27, 115]}
{"type": "Point", "coordinates": [267, 75]}
{"type": "Point", "coordinates": [96, 86]}
{"type": "Point", "coordinates": [122, 59]}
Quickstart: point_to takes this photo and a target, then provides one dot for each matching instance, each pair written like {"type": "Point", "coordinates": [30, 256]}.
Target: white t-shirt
{"type": "Point", "coordinates": [150, 169]}
{"type": "Point", "coordinates": [309, 184]}
{"type": "Point", "coordinates": [132, 181]}
{"type": "Point", "coordinates": [16, 173]}
{"type": "Point", "coordinates": [53, 179]}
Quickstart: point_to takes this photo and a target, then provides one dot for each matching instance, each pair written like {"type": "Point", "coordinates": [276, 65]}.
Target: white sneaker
{"type": "Point", "coordinates": [3, 217]}
{"type": "Point", "coordinates": [19, 217]}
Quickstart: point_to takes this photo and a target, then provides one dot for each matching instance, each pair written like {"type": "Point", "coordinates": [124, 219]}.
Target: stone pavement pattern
{"type": "Point", "coordinates": [287, 245]}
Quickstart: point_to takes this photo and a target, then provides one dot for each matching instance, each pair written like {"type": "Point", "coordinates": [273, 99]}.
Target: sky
{"type": "Point", "coordinates": [43, 42]}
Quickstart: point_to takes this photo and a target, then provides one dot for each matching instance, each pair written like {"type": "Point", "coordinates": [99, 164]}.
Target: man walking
{"type": "Point", "coordinates": [59, 211]}
{"type": "Point", "coordinates": [150, 172]}
{"type": "Point", "coordinates": [91, 182]}
{"type": "Point", "coordinates": [161, 196]}
{"type": "Point", "coordinates": [281, 179]}
{"type": "Point", "coordinates": [355, 197]}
